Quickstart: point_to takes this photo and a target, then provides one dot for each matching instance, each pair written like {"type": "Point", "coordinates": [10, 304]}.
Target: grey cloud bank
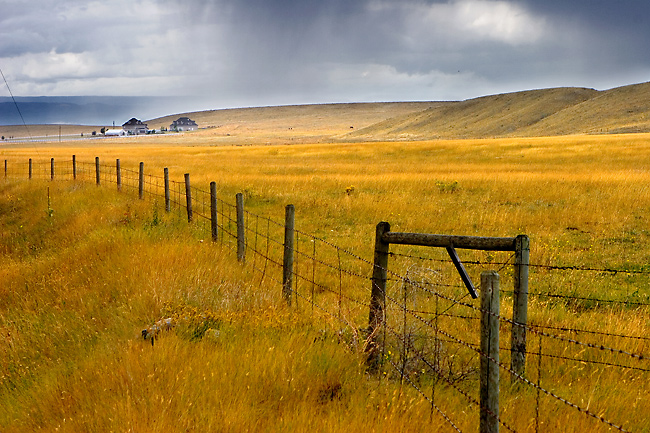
{"type": "Point", "coordinates": [229, 53]}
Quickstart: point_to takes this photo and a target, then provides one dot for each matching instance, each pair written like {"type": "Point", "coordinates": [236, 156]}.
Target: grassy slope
{"type": "Point", "coordinates": [547, 112]}
{"type": "Point", "coordinates": [620, 110]}
{"type": "Point", "coordinates": [490, 116]}
{"type": "Point", "coordinates": [305, 123]}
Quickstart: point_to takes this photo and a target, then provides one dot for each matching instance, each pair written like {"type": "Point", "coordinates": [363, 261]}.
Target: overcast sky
{"type": "Point", "coordinates": [235, 53]}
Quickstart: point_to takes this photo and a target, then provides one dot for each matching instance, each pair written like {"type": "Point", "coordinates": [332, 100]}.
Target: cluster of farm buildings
{"type": "Point", "coordinates": [136, 127]}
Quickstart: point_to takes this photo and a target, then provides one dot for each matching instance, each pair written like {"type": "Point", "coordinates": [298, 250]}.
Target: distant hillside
{"type": "Point", "coordinates": [490, 116]}
{"type": "Point", "coordinates": [547, 112]}
{"type": "Point", "coordinates": [294, 123]}
{"type": "Point", "coordinates": [620, 110]}
{"type": "Point", "coordinates": [83, 110]}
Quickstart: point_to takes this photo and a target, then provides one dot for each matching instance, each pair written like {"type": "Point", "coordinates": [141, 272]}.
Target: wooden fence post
{"type": "Point", "coordinates": [97, 174]}
{"type": "Point", "coordinates": [141, 181]}
{"type": "Point", "coordinates": [30, 168]}
{"type": "Point", "coordinates": [378, 297]}
{"type": "Point", "coordinates": [489, 371]}
{"type": "Point", "coordinates": [188, 197]}
{"type": "Point", "coordinates": [51, 168]}
{"type": "Point", "coordinates": [168, 207]}
{"type": "Point", "coordinates": [213, 211]}
{"type": "Point", "coordinates": [241, 228]}
{"type": "Point", "coordinates": [74, 167]}
{"type": "Point", "coordinates": [520, 307]}
{"type": "Point", "coordinates": [287, 263]}
{"type": "Point", "coordinates": [118, 174]}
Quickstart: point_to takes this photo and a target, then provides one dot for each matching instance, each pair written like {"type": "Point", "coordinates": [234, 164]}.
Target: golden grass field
{"type": "Point", "coordinates": [83, 275]}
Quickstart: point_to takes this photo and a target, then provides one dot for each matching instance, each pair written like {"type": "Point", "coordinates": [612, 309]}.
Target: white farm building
{"type": "Point", "coordinates": [183, 124]}
{"type": "Point", "coordinates": [114, 132]}
{"type": "Point", "coordinates": [135, 127]}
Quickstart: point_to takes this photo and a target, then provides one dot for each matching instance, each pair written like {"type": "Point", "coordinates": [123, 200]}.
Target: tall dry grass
{"type": "Point", "coordinates": [79, 286]}
{"type": "Point", "coordinates": [82, 275]}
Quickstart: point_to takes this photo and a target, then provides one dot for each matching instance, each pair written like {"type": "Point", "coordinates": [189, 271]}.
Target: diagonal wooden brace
{"type": "Point", "coordinates": [461, 270]}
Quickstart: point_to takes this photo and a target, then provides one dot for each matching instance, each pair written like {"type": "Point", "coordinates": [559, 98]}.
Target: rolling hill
{"type": "Point", "coordinates": [544, 112]}
{"type": "Point", "coordinates": [548, 112]}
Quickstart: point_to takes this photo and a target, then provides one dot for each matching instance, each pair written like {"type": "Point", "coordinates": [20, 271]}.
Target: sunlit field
{"type": "Point", "coordinates": [84, 268]}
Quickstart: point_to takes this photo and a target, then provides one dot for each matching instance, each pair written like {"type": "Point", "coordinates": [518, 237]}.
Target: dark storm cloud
{"type": "Point", "coordinates": [264, 52]}
{"type": "Point", "coordinates": [294, 42]}
{"type": "Point", "coordinates": [616, 31]}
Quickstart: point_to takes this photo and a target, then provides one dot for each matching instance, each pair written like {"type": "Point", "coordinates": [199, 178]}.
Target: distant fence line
{"type": "Point", "coordinates": [416, 324]}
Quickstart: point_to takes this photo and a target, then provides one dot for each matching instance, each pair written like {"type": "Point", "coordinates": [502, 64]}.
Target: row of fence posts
{"type": "Point", "coordinates": [489, 364]}
{"type": "Point", "coordinates": [241, 232]}
{"type": "Point", "coordinates": [239, 204]}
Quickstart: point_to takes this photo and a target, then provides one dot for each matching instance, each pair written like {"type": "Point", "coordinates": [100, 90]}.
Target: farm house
{"type": "Point", "coordinates": [183, 124]}
{"type": "Point", "coordinates": [135, 127]}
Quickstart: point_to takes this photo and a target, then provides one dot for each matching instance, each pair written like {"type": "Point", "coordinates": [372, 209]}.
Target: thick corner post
{"type": "Point", "coordinates": [520, 306]}
{"type": "Point", "coordinates": [489, 372]}
{"type": "Point", "coordinates": [378, 297]}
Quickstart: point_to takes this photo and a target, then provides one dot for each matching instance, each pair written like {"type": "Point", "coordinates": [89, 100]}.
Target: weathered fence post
{"type": "Point", "coordinates": [213, 211]}
{"type": "Point", "coordinates": [520, 307]}
{"type": "Point", "coordinates": [97, 174]}
{"type": "Point", "coordinates": [118, 174]}
{"type": "Point", "coordinates": [489, 372]}
{"type": "Point", "coordinates": [188, 197]}
{"type": "Point", "coordinates": [74, 167]}
{"type": "Point", "coordinates": [168, 207]}
{"type": "Point", "coordinates": [378, 297]}
{"type": "Point", "coordinates": [141, 181]}
{"type": "Point", "coordinates": [241, 228]}
{"type": "Point", "coordinates": [51, 168]}
{"type": "Point", "coordinates": [30, 168]}
{"type": "Point", "coordinates": [287, 263]}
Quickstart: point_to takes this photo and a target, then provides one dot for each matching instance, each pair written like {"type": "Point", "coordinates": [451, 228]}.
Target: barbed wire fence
{"type": "Point", "coordinates": [428, 336]}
